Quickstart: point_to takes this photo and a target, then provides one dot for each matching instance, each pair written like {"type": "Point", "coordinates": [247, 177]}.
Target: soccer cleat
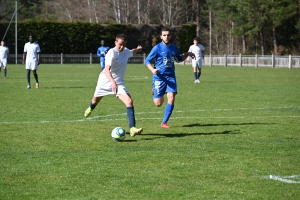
{"type": "Point", "coordinates": [88, 112]}
{"type": "Point", "coordinates": [28, 86]}
{"type": "Point", "coordinates": [135, 131]}
{"type": "Point", "coordinates": [37, 86]}
{"type": "Point", "coordinates": [164, 125]}
{"type": "Point", "coordinates": [198, 81]}
{"type": "Point", "coordinates": [195, 81]}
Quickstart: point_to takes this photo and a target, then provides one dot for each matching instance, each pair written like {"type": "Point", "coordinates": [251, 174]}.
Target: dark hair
{"type": "Point", "coordinates": [121, 36]}
{"type": "Point", "coordinates": [164, 29]}
{"type": "Point", "coordinates": [197, 39]}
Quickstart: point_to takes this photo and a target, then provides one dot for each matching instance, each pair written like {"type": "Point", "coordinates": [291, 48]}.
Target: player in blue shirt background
{"type": "Point", "coordinates": [163, 79]}
{"type": "Point", "coordinates": [101, 52]}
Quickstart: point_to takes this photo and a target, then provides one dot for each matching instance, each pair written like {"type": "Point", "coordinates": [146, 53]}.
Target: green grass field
{"type": "Point", "coordinates": [236, 135]}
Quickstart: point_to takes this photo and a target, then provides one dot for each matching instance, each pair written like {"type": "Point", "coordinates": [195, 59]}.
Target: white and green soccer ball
{"type": "Point", "coordinates": [118, 134]}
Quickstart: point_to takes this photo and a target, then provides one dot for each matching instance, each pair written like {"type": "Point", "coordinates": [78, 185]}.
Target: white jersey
{"type": "Point", "coordinates": [197, 50]}
{"type": "Point", "coordinates": [118, 62]}
{"type": "Point", "coordinates": [3, 52]}
{"type": "Point", "coordinates": [32, 50]}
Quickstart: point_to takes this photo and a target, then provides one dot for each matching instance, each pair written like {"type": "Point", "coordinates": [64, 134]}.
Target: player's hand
{"type": "Point", "coordinates": [139, 48]}
{"type": "Point", "coordinates": [114, 87]}
{"type": "Point", "coordinates": [155, 71]}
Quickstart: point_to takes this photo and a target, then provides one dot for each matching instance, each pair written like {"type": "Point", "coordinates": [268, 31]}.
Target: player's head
{"type": "Point", "coordinates": [196, 40]}
{"type": "Point", "coordinates": [121, 41]}
{"type": "Point", "coordinates": [102, 42]}
{"type": "Point", "coordinates": [31, 38]}
{"type": "Point", "coordinates": [165, 35]}
{"type": "Point", "coordinates": [2, 42]}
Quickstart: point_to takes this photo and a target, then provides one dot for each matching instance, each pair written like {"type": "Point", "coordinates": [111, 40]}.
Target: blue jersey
{"type": "Point", "coordinates": [102, 51]}
{"type": "Point", "coordinates": [164, 57]}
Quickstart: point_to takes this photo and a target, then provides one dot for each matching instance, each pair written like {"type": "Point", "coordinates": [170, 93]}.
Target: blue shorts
{"type": "Point", "coordinates": [163, 84]}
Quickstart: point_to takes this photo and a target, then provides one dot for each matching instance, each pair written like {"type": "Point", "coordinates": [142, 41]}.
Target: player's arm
{"type": "Point", "coordinates": [139, 48]}
{"type": "Point", "coordinates": [110, 78]}
{"type": "Point", "coordinates": [38, 58]}
{"type": "Point", "coordinates": [150, 58]}
{"type": "Point", "coordinates": [98, 52]}
{"type": "Point", "coordinates": [24, 57]}
{"type": "Point", "coordinates": [7, 53]}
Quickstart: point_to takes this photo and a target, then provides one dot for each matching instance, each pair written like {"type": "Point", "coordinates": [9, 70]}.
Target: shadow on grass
{"type": "Point", "coordinates": [240, 124]}
{"type": "Point", "coordinates": [174, 135]}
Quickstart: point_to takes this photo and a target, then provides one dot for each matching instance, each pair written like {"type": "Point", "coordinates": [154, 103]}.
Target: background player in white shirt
{"type": "Point", "coordinates": [3, 57]}
{"type": "Point", "coordinates": [198, 50]}
{"type": "Point", "coordinates": [32, 57]}
{"type": "Point", "coordinates": [111, 80]}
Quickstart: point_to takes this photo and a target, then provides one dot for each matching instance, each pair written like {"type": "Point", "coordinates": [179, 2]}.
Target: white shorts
{"type": "Point", "coordinates": [104, 91]}
{"type": "Point", "coordinates": [197, 63]}
{"type": "Point", "coordinates": [32, 65]}
{"type": "Point", "coordinates": [3, 63]}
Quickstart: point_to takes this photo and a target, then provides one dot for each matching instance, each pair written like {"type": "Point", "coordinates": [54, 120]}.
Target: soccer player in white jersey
{"type": "Point", "coordinates": [198, 50]}
{"type": "Point", "coordinates": [3, 57]}
{"type": "Point", "coordinates": [32, 57]}
{"type": "Point", "coordinates": [111, 80]}
{"type": "Point", "coordinates": [164, 54]}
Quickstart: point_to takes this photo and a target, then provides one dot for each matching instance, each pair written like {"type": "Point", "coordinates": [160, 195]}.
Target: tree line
{"type": "Point", "coordinates": [224, 26]}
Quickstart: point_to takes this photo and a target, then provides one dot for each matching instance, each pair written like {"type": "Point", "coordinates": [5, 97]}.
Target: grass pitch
{"type": "Point", "coordinates": [236, 135]}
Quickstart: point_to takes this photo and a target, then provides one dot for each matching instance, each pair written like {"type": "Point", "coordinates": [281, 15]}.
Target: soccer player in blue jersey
{"type": "Point", "coordinates": [101, 52]}
{"type": "Point", "coordinates": [164, 80]}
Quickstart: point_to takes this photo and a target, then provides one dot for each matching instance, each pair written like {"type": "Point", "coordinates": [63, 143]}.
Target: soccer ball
{"type": "Point", "coordinates": [118, 134]}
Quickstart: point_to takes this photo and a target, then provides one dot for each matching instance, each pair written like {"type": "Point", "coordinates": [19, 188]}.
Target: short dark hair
{"type": "Point", "coordinates": [164, 29]}
{"type": "Point", "coordinates": [121, 36]}
{"type": "Point", "coordinates": [197, 39]}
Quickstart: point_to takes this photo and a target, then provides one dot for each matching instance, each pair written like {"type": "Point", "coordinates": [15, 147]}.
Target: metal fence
{"type": "Point", "coordinates": [253, 61]}
{"type": "Point", "coordinates": [72, 58]}
{"type": "Point", "coordinates": [210, 60]}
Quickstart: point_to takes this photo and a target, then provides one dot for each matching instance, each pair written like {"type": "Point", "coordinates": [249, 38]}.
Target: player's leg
{"type": "Point", "coordinates": [171, 93]}
{"type": "Point", "coordinates": [125, 97]}
{"type": "Point", "coordinates": [94, 102]}
{"type": "Point", "coordinates": [36, 78]}
{"type": "Point", "coordinates": [195, 74]}
{"type": "Point", "coordinates": [28, 78]}
{"type": "Point", "coordinates": [5, 71]}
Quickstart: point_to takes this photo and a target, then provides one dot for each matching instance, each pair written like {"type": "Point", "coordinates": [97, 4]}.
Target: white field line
{"type": "Point", "coordinates": [286, 179]}
{"type": "Point", "coordinates": [111, 117]}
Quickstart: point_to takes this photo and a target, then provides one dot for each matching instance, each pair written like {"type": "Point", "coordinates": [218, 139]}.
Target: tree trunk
{"type": "Point", "coordinates": [262, 41]}
{"type": "Point", "coordinates": [197, 7]}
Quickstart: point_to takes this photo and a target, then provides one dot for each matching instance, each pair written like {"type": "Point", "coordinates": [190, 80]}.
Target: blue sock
{"type": "Point", "coordinates": [5, 72]}
{"type": "Point", "coordinates": [92, 106]}
{"type": "Point", "coordinates": [168, 113]}
{"type": "Point", "coordinates": [199, 74]}
{"type": "Point", "coordinates": [195, 75]}
{"type": "Point", "coordinates": [131, 117]}
{"type": "Point", "coordinates": [28, 79]}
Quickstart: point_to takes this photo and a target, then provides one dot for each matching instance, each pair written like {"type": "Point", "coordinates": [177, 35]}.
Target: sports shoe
{"type": "Point", "coordinates": [195, 81]}
{"type": "Point", "coordinates": [37, 86]}
{"type": "Point", "coordinates": [28, 86]}
{"type": "Point", "coordinates": [135, 131]}
{"type": "Point", "coordinates": [198, 81]}
{"type": "Point", "coordinates": [88, 111]}
{"type": "Point", "coordinates": [164, 125]}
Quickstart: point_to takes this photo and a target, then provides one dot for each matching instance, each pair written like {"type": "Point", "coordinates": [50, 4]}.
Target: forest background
{"type": "Point", "coordinates": [225, 26]}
